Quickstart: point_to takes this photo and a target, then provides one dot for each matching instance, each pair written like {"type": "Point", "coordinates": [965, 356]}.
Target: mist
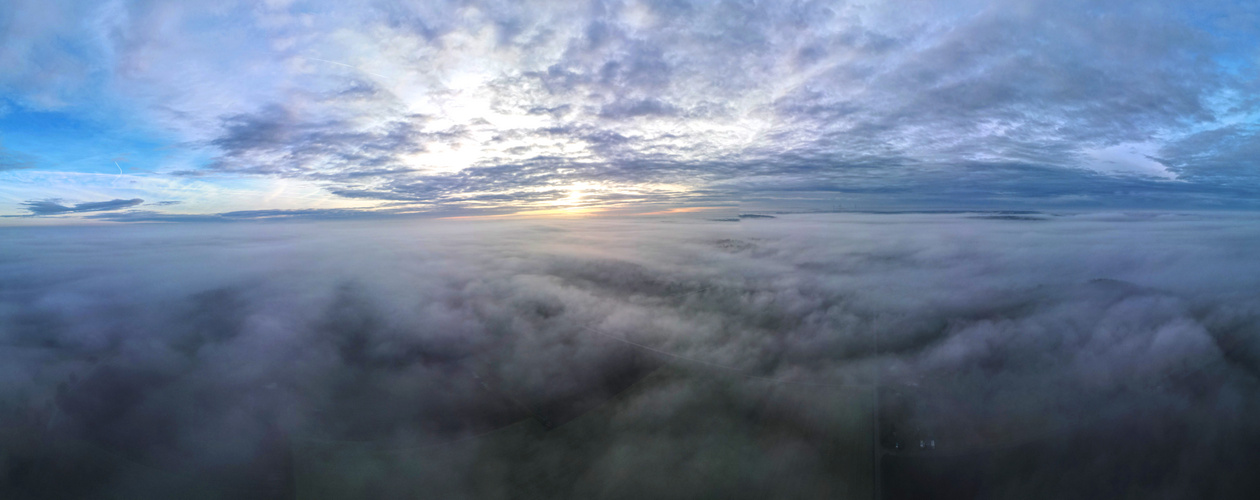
{"type": "Point", "coordinates": [841, 355]}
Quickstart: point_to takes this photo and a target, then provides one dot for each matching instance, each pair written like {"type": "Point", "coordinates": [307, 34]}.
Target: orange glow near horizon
{"type": "Point", "coordinates": [682, 210]}
{"type": "Point", "coordinates": [577, 212]}
{"type": "Point", "coordinates": [546, 212]}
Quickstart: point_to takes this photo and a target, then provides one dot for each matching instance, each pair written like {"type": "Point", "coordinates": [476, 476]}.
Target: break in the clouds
{"type": "Point", "coordinates": [802, 356]}
{"type": "Point", "coordinates": [562, 105]}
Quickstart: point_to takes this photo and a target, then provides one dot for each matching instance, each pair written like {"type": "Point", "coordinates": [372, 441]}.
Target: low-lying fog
{"type": "Point", "coordinates": [801, 356]}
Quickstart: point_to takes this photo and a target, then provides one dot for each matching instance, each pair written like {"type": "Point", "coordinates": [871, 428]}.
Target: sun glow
{"type": "Point", "coordinates": [579, 199]}
{"type": "Point", "coordinates": [683, 210]}
{"type": "Point", "coordinates": [546, 212]}
{"type": "Point", "coordinates": [577, 192]}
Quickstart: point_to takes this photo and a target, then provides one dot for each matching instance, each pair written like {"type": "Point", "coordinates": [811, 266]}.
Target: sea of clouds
{"type": "Point", "coordinates": [903, 355]}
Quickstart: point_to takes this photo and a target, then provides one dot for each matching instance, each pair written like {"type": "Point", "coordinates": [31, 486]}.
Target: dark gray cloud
{"type": "Point", "coordinates": [1227, 155]}
{"type": "Point", "coordinates": [278, 141]}
{"type": "Point", "coordinates": [244, 215]}
{"type": "Point", "coordinates": [634, 358]}
{"type": "Point", "coordinates": [54, 206]}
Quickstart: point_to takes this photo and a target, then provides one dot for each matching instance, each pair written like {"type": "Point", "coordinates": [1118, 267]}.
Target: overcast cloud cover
{"type": "Point", "coordinates": [1088, 356]}
{"type": "Point", "coordinates": [502, 106]}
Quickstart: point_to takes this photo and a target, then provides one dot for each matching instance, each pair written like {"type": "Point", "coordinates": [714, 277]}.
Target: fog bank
{"type": "Point", "coordinates": [801, 356]}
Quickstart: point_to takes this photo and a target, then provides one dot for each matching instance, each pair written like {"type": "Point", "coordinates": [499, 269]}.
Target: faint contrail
{"type": "Point", "coordinates": [120, 174]}
{"type": "Point", "coordinates": [348, 66]}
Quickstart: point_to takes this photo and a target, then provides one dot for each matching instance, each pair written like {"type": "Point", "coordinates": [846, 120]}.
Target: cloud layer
{"type": "Point", "coordinates": [633, 357]}
{"type": "Point", "coordinates": [488, 104]}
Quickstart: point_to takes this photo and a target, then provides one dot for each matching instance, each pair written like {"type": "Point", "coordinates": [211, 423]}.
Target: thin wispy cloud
{"type": "Point", "coordinates": [11, 160]}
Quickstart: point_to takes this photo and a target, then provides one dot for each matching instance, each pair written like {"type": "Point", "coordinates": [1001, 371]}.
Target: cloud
{"type": "Point", "coordinates": [633, 356]}
{"type": "Point", "coordinates": [244, 215]}
{"type": "Point", "coordinates": [1226, 154]}
{"type": "Point", "coordinates": [12, 160]}
{"type": "Point", "coordinates": [54, 206]}
{"type": "Point", "coordinates": [397, 102]}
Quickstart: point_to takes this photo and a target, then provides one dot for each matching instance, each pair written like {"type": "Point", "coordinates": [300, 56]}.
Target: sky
{"type": "Point", "coordinates": [211, 110]}
{"type": "Point", "coordinates": [629, 249]}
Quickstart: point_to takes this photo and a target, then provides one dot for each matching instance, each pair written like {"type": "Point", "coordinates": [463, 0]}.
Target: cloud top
{"type": "Point", "coordinates": [394, 355]}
